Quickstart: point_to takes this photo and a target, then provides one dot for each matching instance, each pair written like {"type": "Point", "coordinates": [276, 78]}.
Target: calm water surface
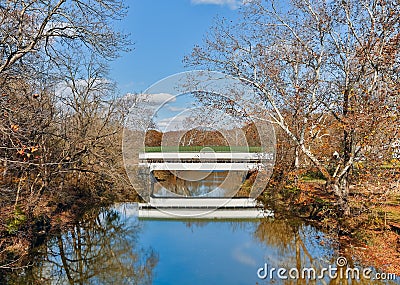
{"type": "Point", "coordinates": [114, 246]}
{"type": "Point", "coordinates": [198, 183]}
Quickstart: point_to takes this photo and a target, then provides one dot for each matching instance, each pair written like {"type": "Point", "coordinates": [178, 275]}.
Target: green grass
{"type": "Point", "coordinates": [313, 180]}
{"type": "Point", "coordinates": [199, 148]}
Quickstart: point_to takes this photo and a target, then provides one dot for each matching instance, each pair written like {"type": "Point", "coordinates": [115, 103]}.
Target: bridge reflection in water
{"type": "Point", "coordinates": [201, 185]}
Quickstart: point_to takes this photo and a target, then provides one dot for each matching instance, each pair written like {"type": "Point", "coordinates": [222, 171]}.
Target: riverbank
{"type": "Point", "coordinates": [24, 227]}
{"type": "Point", "coordinates": [370, 235]}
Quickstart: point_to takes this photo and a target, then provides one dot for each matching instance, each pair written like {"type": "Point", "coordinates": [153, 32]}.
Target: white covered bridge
{"type": "Point", "coordinates": [203, 207]}
{"type": "Point", "coordinates": [204, 161]}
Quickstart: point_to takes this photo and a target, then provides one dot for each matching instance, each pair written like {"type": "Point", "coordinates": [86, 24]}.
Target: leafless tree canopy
{"type": "Point", "coordinates": [60, 121]}
{"type": "Point", "coordinates": [327, 71]}
{"type": "Point", "coordinates": [48, 28]}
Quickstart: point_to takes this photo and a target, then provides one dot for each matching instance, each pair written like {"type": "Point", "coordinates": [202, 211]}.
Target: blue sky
{"type": "Point", "coordinates": [163, 32]}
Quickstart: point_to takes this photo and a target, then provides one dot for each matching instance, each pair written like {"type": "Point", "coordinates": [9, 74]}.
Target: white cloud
{"type": "Point", "coordinates": [240, 254]}
{"type": "Point", "coordinates": [176, 109]}
{"type": "Point", "coordinates": [156, 99]}
{"type": "Point", "coordinates": [174, 123]}
{"type": "Point", "coordinates": [233, 4]}
{"type": "Point", "coordinates": [161, 98]}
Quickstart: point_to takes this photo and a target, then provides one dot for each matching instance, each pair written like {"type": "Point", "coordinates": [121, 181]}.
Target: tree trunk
{"type": "Point", "coordinates": [340, 188]}
{"type": "Point", "coordinates": [296, 165]}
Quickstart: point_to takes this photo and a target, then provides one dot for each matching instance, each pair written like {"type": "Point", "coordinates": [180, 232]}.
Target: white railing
{"type": "Point", "coordinates": [204, 161]}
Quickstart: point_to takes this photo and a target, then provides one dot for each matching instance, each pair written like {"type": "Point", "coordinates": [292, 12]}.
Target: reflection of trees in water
{"type": "Point", "coordinates": [290, 240]}
{"type": "Point", "coordinates": [278, 233]}
{"type": "Point", "coordinates": [98, 250]}
{"type": "Point", "coordinates": [198, 183]}
{"type": "Point", "coordinates": [300, 246]}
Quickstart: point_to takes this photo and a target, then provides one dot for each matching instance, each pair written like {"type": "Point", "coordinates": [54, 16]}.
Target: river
{"type": "Point", "coordinates": [114, 246]}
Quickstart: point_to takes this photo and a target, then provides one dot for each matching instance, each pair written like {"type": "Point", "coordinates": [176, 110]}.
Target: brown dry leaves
{"type": "Point", "coordinates": [383, 252]}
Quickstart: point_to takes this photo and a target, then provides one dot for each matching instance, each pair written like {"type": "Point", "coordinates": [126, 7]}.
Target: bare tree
{"type": "Point", "coordinates": [60, 123]}
{"type": "Point", "coordinates": [47, 28]}
{"type": "Point", "coordinates": [88, 123]}
{"type": "Point", "coordinates": [323, 69]}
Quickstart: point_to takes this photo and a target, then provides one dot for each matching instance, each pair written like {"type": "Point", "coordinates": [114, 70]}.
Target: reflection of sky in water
{"type": "Point", "coordinates": [217, 252]}
{"type": "Point", "coordinates": [116, 246]}
{"type": "Point", "coordinates": [209, 253]}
